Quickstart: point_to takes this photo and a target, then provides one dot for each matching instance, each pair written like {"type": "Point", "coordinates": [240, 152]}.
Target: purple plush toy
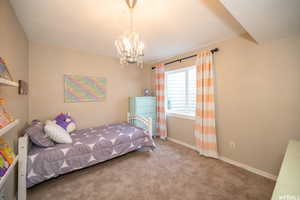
{"type": "Point", "coordinates": [65, 121]}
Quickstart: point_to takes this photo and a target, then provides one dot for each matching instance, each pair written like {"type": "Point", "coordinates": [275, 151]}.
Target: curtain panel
{"type": "Point", "coordinates": [160, 95]}
{"type": "Point", "coordinates": [205, 127]}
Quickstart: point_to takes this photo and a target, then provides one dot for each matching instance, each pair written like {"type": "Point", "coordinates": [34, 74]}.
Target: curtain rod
{"type": "Point", "coordinates": [181, 59]}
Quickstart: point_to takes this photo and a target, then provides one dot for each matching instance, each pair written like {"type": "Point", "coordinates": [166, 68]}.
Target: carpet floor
{"type": "Point", "coordinates": [171, 172]}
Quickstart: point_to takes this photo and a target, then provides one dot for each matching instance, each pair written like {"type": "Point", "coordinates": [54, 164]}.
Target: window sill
{"type": "Point", "coordinates": [181, 116]}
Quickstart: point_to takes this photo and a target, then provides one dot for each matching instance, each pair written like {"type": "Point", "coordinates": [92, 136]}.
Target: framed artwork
{"type": "Point", "coordinates": [78, 88]}
{"type": "Point", "coordinates": [23, 87]}
{"type": "Point", "coordinates": [4, 73]}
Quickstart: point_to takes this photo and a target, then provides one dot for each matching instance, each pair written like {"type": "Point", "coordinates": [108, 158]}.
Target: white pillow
{"type": "Point", "coordinates": [57, 133]}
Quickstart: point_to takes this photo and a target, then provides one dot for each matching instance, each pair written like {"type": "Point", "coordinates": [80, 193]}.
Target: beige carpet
{"type": "Point", "coordinates": [171, 172]}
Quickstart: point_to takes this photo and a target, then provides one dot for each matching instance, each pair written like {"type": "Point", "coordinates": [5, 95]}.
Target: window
{"type": "Point", "coordinates": [181, 91]}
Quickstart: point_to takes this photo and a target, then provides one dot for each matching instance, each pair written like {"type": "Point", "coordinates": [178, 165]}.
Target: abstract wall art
{"type": "Point", "coordinates": [80, 88]}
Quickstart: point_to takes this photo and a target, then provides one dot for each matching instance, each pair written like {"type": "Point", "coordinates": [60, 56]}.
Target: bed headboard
{"type": "Point", "coordinates": [144, 120]}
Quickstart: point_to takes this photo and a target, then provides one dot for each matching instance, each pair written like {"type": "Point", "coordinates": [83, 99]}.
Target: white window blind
{"type": "Point", "coordinates": [181, 91]}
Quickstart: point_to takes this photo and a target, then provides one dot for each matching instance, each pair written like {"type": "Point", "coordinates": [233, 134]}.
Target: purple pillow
{"type": "Point", "coordinates": [35, 131]}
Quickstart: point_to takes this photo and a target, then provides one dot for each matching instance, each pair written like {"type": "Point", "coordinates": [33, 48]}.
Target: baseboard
{"type": "Point", "coordinates": [182, 143]}
{"type": "Point", "coordinates": [232, 162]}
{"type": "Point", "coordinates": [249, 168]}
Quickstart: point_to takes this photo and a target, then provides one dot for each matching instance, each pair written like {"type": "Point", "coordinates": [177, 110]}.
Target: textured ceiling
{"type": "Point", "coordinates": [168, 27]}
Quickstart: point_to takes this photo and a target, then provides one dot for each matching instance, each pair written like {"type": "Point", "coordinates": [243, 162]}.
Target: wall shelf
{"type": "Point", "coordinates": [8, 127]}
{"type": "Point", "coordinates": [9, 83]}
{"type": "Point", "coordinates": [8, 172]}
{"type": "Point", "coordinates": [4, 130]}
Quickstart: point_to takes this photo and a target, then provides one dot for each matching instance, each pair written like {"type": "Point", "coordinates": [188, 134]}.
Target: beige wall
{"type": "Point", "coordinates": [258, 95]}
{"type": "Point", "coordinates": [14, 49]}
{"type": "Point", "coordinates": [48, 64]}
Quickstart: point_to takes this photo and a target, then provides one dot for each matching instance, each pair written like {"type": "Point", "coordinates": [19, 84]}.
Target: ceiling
{"type": "Point", "coordinates": [168, 27]}
{"type": "Point", "coordinates": [266, 20]}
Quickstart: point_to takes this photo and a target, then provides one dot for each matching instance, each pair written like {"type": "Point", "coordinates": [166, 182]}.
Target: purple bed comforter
{"type": "Point", "coordinates": [89, 146]}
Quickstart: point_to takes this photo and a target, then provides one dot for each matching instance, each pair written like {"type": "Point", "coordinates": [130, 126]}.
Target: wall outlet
{"type": "Point", "coordinates": [232, 145]}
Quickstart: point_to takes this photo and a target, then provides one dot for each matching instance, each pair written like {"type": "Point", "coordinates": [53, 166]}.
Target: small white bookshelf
{"type": "Point", "coordinates": [4, 130]}
{"type": "Point", "coordinates": [8, 172]}
{"type": "Point", "coordinates": [7, 82]}
{"type": "Point", "coordinates": [9, 127]}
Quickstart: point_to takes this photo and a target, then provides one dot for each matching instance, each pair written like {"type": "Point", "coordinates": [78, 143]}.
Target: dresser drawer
{"type": "Point", "coordinates": [151, 98]}
{"type": "Point", "coordinates": [147, 114]}
{"type": "Point", "coordinates": [145, 109]}
{"type": "Point", "coordinates": [146, 104]}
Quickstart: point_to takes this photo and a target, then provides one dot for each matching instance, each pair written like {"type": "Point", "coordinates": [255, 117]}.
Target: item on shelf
{"type": "Point", "coordinates": [5, 117]}
{"type": "Point", "coordinates": [3, 165]}
{"type": "Point", "coordinates": [147, 92]}
{"type": "Point", "coordinates": [3, 120]}
{"type": "Point", "coordinates": [7, 151]}
{"type": "Point", "coordinates": [4, 73]}
{"type": "Point", "coordinates": [23, 87]}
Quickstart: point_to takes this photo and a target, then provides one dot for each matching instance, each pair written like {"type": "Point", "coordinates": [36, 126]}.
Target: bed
{"type": "Point", "coordinates": [89, 147]}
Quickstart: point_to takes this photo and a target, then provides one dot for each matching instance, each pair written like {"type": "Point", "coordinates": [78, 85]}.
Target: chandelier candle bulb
{"type": "Point", "coordinates": [129, 46]}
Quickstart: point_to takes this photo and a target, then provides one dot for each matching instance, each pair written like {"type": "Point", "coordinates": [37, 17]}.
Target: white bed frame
{"type": "Point", "coordinates": [146, 121]}
{"type": "Point", "coordinates": [23, 152]}
{"type": "Point", "coordinates": [22, 167]}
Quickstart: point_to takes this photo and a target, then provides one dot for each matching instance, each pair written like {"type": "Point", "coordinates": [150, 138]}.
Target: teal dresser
{"type": "Point", "coordinates": [144, 106]}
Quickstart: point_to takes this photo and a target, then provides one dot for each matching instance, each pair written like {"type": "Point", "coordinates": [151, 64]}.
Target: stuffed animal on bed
{"type": "Point", "coordinates": [65, 121]}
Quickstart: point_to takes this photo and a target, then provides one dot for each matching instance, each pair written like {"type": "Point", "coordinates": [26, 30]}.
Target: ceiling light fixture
{"type": "Point", "coordinates": [129, 45]}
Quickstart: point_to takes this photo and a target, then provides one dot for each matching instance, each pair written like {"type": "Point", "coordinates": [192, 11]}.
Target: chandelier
{"type": "Point", "coordinates": [130, 47]}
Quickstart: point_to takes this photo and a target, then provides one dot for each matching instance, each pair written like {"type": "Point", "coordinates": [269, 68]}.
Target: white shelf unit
{"type": "Point", "coordinates": [7, 82]}
{"type": "Point", "coordinates": [9, 127]}
{"type": "Point", "coordinates": [8, 172]}
{"type": "Point", "coordinates": [5, 130]}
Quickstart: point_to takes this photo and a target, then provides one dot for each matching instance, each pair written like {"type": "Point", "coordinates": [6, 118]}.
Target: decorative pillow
{"type": "Point", "coordinates": [57, 133]}
{"type": "Point", "coordinates": [65, 121]}
{"type": "Point", "coordinates": [35, 131]}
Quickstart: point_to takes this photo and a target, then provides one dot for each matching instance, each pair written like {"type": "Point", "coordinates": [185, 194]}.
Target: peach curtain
{"type": "Point", "coordinates": [160, 95]}
{"type": "Point", "coordinates": [205, 128]}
